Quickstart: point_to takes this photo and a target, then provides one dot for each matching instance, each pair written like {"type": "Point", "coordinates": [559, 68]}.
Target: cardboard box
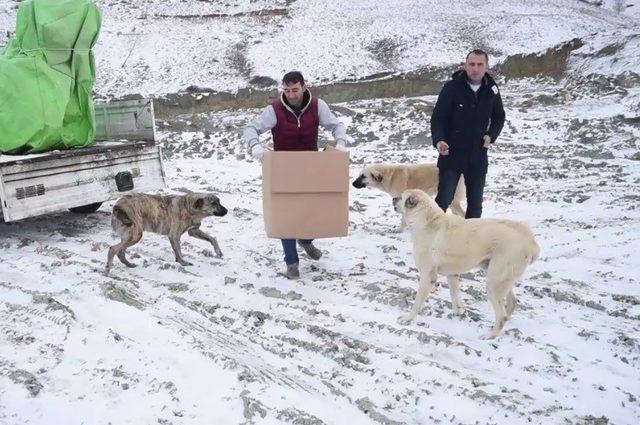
{"type": "Point", "coordinates": [305, 195]}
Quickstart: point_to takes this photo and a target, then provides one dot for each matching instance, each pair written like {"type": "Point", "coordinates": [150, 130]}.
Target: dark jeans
{"type": "Point", "coordinates": [474, 180]}
{"type": "Point", "coordinates": [290, 250]}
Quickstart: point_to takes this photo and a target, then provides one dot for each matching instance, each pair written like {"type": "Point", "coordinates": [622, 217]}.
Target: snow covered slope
{"type": "Point", "coordinates": [160, 46]}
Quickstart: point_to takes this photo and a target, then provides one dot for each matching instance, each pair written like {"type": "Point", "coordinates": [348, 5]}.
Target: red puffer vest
{"type": "Point", "coordinates": [296, 134]}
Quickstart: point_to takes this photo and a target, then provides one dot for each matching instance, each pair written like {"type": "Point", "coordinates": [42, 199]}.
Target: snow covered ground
{"type": "Point", "coordinates": [231, 340]}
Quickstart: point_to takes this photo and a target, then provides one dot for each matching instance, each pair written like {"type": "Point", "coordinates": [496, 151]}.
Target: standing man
{"type": "Point", "coordinates": [293, 120]}
{"type": "Point", "coordinates": [467, 118]}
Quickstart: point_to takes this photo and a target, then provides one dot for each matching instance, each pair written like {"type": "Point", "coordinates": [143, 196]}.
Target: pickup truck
{"type": "Point", "coordinates": [124, 158]}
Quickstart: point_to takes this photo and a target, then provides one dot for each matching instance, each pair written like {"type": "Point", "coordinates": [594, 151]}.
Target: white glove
{"type": "Point", "coordinates": [341, 144]}
{"type": "Point", "coordinates": [257, 151]}
{"type": "Point", "coordinates": [335, 148]}
{"type": "Point", "coordinates": [345, 141]}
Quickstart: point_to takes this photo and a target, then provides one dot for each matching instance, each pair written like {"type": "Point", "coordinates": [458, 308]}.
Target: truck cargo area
{"type": "Point", "coordinates": [124, 158]}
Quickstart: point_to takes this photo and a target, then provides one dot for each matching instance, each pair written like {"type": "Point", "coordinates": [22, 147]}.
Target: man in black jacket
{"type": "Point", "coordinates": [467, 118]}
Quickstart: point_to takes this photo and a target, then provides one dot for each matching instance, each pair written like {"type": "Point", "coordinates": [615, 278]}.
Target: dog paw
{"type": "Point", "coordinates": [458, 310]}
{"type": "Point", "coordinates": [490, 335]}
{"type": "Point", "coordinates": [131, 265]}
{"type": "Point", "coordinates": [405, 320]}
{"type": "Point", "coordinates": [219, 254]}
{"type": "Point", "coordinates": [185, 263]}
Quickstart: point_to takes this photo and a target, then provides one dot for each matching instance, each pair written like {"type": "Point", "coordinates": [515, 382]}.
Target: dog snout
{"type": "Point", "coordinates": [359, 182]}
{"type": "Point", "coordinates": [220, 211]}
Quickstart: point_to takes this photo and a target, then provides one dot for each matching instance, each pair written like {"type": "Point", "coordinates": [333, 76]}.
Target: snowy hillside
{"type": "Point", "coordinates": [160, 46]}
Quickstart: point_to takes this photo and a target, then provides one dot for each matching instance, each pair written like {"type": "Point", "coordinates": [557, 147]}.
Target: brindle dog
{"type": "Point", "coordinates": [170, 215]}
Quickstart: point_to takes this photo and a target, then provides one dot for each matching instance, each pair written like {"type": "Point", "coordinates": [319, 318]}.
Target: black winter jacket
{"type": "Point", "coordinates": [461, 118]}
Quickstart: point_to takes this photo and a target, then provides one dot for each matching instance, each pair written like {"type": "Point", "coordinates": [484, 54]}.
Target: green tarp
{"type": "Point", "coordinates": [46, 77]}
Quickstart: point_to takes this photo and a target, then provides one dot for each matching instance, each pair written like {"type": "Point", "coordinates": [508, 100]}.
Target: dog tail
{"type": "Point", "coordinates": [531, 249]}
{"type": "Point", "coordinates": [120, 220]}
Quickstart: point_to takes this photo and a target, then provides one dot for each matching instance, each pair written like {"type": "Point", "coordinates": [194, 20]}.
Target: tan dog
{"type": "Point", "coordinates": [448, 245]}
{"type": "Point", "coordinates": [167, 215]}
{"type": "Point", "coordinates": [396, 178]}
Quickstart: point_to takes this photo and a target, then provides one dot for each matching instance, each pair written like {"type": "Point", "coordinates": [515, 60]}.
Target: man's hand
{"type": "Point", "coordinates": [340, 144]}
{"type": "Point", "coordinates": [329, 147]}
{"type": "Point", "coordinates": [443, 148]}
{"type": "Point", "coordinates": [257, 151]}
{"type": "Point", "coordinates": [486, 141]}
{"type": "Point", "coordinates": [345, 142]}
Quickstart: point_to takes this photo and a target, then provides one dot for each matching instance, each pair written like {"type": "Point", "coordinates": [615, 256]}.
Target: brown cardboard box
{"type": "Point", "coordinates": [305, 195]}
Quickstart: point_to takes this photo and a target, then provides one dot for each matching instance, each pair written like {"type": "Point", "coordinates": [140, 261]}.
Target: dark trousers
{"type": "Point", "coordinates": [290, 250]}
{"type": "Point", "coordinates": [448, 181]}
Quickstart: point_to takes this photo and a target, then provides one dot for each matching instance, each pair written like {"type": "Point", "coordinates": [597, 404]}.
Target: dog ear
{"type": "Point", "coordinates": [410, 202]}
{"type": "Point", "coordinates": [198, 204]}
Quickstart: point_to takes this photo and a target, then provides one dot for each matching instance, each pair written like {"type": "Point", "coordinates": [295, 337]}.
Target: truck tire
{"type": "Point", "coordinates": [86, 209]}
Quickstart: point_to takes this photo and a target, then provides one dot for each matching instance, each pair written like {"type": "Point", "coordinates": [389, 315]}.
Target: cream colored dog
{"type": "Point", "coordinates": [396, 178]}
{"type": "Point", "coordinates": [448, 245]}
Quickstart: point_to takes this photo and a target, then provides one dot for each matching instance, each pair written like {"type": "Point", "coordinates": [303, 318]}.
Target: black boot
{"type": "Point", "coordinates": [313, 252]}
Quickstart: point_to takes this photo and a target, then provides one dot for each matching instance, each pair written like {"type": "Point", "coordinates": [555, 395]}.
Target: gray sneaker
{"type": "Point", "coordinates": [292, 271]}
{"type": "Point", "coordinates": [311, 250]}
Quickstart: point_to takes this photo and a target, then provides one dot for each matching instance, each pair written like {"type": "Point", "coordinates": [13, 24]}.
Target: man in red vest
{"type": "Point", "coordinates": [293, 120]}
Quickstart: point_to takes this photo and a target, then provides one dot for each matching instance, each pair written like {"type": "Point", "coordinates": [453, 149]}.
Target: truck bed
{"type": "Point", "coordinates": [36, 184]}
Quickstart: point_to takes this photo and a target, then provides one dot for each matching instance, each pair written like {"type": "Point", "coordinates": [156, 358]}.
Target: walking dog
{"type": "Point", "coordinates": [171, 215]}
{"type": "Point", "coordinates": [449, 245]}
{"type": "Point", "coordinates": [396, 178]}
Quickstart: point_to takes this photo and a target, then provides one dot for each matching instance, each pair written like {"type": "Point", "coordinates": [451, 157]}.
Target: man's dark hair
{"type": "Point", "coordinates": [478, 52]}
{"type": "Point", "coordinates": [293, 77]}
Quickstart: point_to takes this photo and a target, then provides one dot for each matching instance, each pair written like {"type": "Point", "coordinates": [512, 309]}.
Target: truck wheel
{"type": "Point", "coordinates": [86, 209]}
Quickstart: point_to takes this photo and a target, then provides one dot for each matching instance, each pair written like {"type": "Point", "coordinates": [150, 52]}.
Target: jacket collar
{"type": "Point", "coordinates": [461, 76]}
{"type": "Point", "coordinates": [306, 101]}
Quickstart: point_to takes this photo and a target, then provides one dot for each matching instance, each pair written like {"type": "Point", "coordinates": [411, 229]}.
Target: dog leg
{"type": "Point", "coordinates": [425, 288]}
{"type": "Point", "coordinates": [199, 234]}
{"type": "Point", "coordinates": [456, 208]}
{"type": "Point", "coordinates": [511, 302]}
{"type": "Point", "coordinates": [434, 280]}
{"type": "Point", "coordinates": [502, 274]}
{"type": "Point", "coordinates": [123, 259]}
{"type": "Point", "coordinates": [175, 244]}
{"type": "Point", "coordinates": [110, 255]}
{"type": "Point", "coordinates": [130, 237]}
{"type": "Point", "coordinates": [454, 290]}
{"type": "Point", "coordinates": [460, 194]}
{"type": "Point", "coordinates": [496, 294]}
{"type": "Point", "coordinates": [118, 250]}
